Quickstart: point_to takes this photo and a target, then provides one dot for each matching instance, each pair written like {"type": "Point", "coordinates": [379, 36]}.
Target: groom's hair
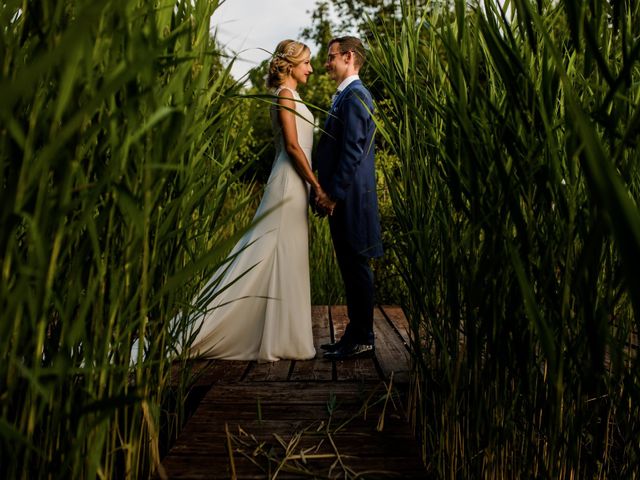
{"type": "Point", "coordinates": [351, 44]}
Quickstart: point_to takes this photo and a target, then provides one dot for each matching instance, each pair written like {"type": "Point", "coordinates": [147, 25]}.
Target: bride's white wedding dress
{"type": "Point", "coordinates": [261, 307]}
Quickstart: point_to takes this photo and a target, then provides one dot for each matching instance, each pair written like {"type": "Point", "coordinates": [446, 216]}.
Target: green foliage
{"type": "Point", "coordinates": [518, 231]}
{"type": "Point", "coordinates": [258, 149]}
{"type": "Point", "coordinates": [116, 145]}
{"type": "Point", "coordinates": [321, 30]}
{"type": "Point", "coordinates": [389, 285]}
{"type": "Point", "coordinates": [327, 287]}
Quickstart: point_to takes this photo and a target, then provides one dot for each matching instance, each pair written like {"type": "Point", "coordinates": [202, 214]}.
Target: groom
{"type": "Point", "coordinates": [346, 171]}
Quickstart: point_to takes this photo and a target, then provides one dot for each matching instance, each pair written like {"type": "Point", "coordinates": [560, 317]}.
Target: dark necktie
{"type": "Point", "coordinates": [334, 97]}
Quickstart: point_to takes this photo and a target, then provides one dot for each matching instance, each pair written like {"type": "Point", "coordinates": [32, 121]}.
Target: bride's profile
{"type": "Point", "coordinates": [261, 302]}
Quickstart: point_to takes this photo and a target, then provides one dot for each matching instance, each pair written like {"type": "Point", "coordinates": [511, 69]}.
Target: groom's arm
{"type": "Point", "coordinates": [356, 123]}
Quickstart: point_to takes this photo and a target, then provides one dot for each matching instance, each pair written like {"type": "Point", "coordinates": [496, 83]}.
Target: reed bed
{"type": "Point", "coordinates": [326, 283]}
{"type": "Point", "coordinates": [117, 139]}
{"type": "Point", "coordinates": [517, 129]}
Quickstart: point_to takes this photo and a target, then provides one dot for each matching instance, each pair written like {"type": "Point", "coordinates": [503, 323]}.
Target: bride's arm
{"type": "Point", "coordinates": [287, 119]}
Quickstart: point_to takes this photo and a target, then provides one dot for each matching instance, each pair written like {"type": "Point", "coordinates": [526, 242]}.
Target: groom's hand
{"type": "Point", "coordinates": [317, 210]}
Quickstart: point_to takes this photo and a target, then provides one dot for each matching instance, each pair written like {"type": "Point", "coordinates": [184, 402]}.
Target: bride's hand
{"type": "Point", "coordinates": [319, 192]}
{"type": "Point", "coordinates": [320, 195]}
{"type": "Point", "coordinates": [323, 200]}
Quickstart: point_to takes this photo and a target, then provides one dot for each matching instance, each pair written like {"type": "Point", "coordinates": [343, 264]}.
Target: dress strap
{"type": "Point", "coordinates": [279, 89]}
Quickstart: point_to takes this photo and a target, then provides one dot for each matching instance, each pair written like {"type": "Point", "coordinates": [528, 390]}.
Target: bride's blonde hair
{"type": "Point", "coordinates": [288, 54]}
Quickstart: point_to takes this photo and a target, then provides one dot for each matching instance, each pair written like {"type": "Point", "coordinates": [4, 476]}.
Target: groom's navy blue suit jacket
{"type": "Point", "coordinates": [346, 170]}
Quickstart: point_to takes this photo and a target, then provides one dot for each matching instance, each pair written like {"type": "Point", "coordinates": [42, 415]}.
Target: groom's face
{"type": "Point", "coordinates": [337, 63]}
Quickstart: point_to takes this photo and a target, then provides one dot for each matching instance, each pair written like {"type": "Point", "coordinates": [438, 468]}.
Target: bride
{"type": "Point", "coordinates": [261, 307]}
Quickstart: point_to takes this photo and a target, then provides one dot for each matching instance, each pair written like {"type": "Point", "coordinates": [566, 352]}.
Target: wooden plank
{"type": "Point", "coordinates": [255, 401]}
{"type": "Point", "coordinates": [359, 369]}
{"type": "Point", "coordinates": [269, 371]}
{"type": "Point", "coordinates": [396, 316]}
{"type": "Point", "coordinates": [214, 442]}
{"type": "Point", "coordinates": [201, 449]}
{"type": "Point", "coordinates": [193, 369]}
{"type": "Point", "coordinates": [295, 418]}
{"type": "Point", "coordinates": [209, 372]}
{"type": "Point", "coordinates": [317, 369]}
{"type": "Point", "coordinates": [397, 454]}
{"type": "Point", "coordinates": [339, 320]}
{"type": "Point", "coordinates": [391, 353]}
{"type": "Point", "coordinates": [201, 467]}
{"type": "Point", "coordinates": [198, 467]}
{"type": "Point", "coordinates": [292, 401]}
{"type": "Point", "coordinates": [278, 392]}
{"type": "Point", "coordinates": [355, 412]}
{"type": "Point", "coordinates": [223, 371]}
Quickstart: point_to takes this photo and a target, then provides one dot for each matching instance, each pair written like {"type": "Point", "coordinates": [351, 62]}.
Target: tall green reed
{"type": "Point", "coordinates": [516, 199]}
{"type": "Point", "coordinates": [326, 283]}
{"type": "Point", "coordinates": [115, 153]}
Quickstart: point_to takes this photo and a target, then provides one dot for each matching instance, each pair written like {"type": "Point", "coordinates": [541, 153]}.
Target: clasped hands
{"type": "Point", "coordinates": [324, 204]}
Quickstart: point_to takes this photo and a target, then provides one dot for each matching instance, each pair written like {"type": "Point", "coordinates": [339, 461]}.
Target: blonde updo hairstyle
{"type": "Point", "coordinates": [288, 54]}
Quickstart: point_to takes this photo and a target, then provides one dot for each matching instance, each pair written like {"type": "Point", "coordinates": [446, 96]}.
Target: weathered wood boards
{"type": "Point", "coordinates": [285, 422]}
{"type": "Point", "coordinates": [260, 417]}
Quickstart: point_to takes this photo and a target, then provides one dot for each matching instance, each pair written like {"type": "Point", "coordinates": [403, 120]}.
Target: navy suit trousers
{"type": "Point", "coordinates": [358, 280]}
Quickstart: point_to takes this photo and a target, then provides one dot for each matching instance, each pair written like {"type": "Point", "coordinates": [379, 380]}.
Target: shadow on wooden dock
{"type": "Point", "coordinates": [305, 419]}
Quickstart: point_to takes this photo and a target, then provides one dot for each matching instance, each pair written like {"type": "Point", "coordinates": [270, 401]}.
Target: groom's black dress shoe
{"type": "Point", "coordinates": [348, 351]}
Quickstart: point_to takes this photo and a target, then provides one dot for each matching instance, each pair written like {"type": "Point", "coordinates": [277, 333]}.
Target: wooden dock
{"type": "Point", "coordinates": [305, 419]}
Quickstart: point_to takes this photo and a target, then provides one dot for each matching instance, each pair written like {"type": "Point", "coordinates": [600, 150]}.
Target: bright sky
{"type": "Point", "coordinates": [246, 26]}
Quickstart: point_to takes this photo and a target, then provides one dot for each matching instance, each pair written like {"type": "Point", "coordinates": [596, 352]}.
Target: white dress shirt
{"type": "Point", "coordinates": [345, 83]}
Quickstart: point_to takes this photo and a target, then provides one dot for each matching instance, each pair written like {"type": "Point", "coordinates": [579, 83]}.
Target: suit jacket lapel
{"type": "Point", "coordinates": [339, 99]}
{"type": "Point", "coordinates": [343, 92]}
